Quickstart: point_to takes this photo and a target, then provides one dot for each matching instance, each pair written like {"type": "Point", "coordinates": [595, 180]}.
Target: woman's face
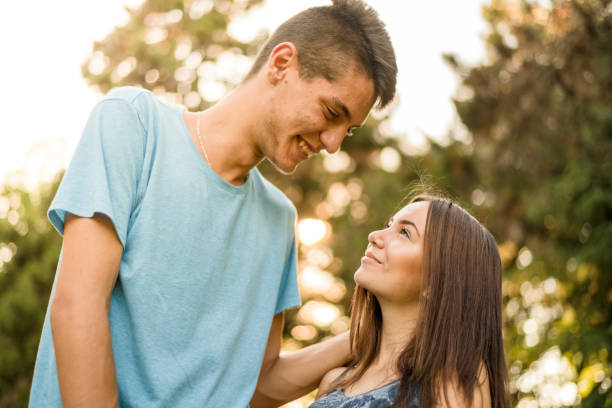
{"type": "Point", "coordinates": [391, 267]}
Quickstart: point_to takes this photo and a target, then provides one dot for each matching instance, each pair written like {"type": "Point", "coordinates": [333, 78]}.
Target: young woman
{"type": "Point", "coordinates": [426, 324]}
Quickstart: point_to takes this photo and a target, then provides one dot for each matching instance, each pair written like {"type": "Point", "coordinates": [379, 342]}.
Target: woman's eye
{"type": "Point", "coordinates": [405, 232]}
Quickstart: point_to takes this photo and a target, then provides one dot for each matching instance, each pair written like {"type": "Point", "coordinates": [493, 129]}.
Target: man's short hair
{"type": "Point", "coordinates": [331, 39]}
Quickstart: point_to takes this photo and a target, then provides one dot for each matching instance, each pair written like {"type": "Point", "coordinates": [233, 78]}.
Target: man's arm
{"type": "Point", "coordinates": [91, 253]}
{"type": "Point", "coordinates": [285, 378]}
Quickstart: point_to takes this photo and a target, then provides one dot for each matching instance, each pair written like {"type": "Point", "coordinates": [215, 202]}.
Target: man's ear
{"type": "Point", "coordinates": [282, 58]}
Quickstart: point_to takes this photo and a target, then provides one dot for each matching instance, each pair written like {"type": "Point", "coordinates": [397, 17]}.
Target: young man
{"type": "Point", "coordinates": [178, 258]}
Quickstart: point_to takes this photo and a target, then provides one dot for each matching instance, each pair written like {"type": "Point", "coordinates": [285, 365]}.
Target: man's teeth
{"type": "Point", "coordinates": [305, 148]}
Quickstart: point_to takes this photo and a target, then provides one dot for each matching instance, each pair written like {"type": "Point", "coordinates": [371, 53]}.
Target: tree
{"type": "Point", "coordinates": [537, 173]}
{"type": "Point", "coordinates": [540, 112]}
{"type": "Point", "coordinates": [29, 250]}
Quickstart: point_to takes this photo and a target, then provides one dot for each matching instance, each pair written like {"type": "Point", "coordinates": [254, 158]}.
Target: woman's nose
{"type": "Point", "coordinates": [376, 238]}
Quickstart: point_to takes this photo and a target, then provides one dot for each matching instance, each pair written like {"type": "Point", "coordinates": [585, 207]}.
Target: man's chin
{"type": "Point", "coordinates": [286, 170]}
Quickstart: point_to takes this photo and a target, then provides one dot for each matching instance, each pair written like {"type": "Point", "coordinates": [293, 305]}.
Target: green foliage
{"type": "Point", "coordinates": [164, 43]}
{"type": "Point", "coordinates": [540, 113]}
{"type": "Point", "coordinates": [29, 250]}
{"type": "Point", "coordinates": [537, 173]}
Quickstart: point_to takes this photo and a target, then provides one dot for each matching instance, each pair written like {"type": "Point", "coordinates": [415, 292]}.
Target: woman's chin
{"type": "Point", "coordinates": [361, 277]}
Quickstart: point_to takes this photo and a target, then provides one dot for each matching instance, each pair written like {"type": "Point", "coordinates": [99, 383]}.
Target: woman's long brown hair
{"type": "Point", "coordinates": [459, 327]}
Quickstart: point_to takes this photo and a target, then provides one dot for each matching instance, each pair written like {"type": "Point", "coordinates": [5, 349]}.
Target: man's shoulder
{"type": "Point", "coordinates": [128, 94]}
{"type": "Point", "coordinates": [274, 195]}
{"type": "Point", "coordinates": [130, 102]}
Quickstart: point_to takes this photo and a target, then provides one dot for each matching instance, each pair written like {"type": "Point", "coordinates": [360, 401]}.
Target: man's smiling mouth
{"type": "Point", "coordinates": [304, 147]}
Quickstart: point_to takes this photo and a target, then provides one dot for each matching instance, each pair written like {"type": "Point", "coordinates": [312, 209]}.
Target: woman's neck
{"type": "Point", "coordinates": [399, 323]}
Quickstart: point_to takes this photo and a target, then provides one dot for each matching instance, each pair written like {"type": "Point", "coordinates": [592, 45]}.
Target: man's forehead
{"type": "Point", "coordinates": [354, 96]}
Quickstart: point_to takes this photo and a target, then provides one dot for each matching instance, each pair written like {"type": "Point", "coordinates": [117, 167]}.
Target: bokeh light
{"type": "Point", "coordinates": [525, 257]}
{"type": "Point", "coordinates": [337, 162]}
{"type": "Point", "coordinates": [311, 231]}
{"type": "Point", "coordinates": [551, 379]}
{"type": "Point", "coordinates": [390, 159]}
{"type": "Point", "coordinates": [304, 332]}
{"type": "Point", "coordinates": [123, 69]}
{"type": "Point", "coordinates": [315, 281]}
{"type": "Point", "coordinates": [319, 313]}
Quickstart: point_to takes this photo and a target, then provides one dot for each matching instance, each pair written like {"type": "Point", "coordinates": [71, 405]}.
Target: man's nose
{"type": "Point", "coordinates": [332, 138]}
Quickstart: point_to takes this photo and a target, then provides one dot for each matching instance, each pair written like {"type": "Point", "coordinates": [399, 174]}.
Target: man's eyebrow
{"type": "Point", "coordinates": [339, 105]}
{"type": "Point", "coordinates": [408, 222]}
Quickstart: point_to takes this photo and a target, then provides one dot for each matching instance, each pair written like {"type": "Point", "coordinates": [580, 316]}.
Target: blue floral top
{"type": "Point", "coordinates": [382, 397]}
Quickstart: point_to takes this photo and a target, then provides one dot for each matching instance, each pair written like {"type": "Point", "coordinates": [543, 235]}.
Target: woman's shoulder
{"type": "Point", "coordinates": [452, 396]}
{"type": "Point", "coordinates": [329, 378]}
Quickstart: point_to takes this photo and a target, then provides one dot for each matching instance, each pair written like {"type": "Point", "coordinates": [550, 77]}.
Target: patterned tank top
{"type": "Point", "coordinates": [381, 397]}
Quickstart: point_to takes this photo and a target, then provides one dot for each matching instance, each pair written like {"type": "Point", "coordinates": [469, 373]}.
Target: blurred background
{"type": "Point", "coordinates": [506, 106]}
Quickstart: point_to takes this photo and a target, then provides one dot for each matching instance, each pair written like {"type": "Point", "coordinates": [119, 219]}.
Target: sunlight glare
{"type": "Point", "coordinates": [311, 231]}
{"type": "Point", "coordinates": [320, 313]}
{"type": "Point", "coordinates": [337, 162]}
{"type": "Point", "coordinates": [315, 280]}
{"type": "Point", "coordinates": [390, 159]}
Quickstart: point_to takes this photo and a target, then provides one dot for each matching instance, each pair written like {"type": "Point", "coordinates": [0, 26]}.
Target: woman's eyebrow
{"type": "Point", "coordinates": [408, 222]}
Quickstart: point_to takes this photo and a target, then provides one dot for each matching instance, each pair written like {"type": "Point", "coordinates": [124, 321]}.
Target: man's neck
{"type": "Point", "coordinates": [228, 135]}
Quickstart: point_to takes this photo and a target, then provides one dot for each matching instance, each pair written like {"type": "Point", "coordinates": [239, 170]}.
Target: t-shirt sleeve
{"type": "Point", "coordinates": [104, 173]}
{"type": "Point", "coordinates": [289, 295]}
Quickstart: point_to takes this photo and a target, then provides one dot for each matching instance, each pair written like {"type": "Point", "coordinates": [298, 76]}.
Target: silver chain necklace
{"type": "Point", "coordinates": [200, 139]}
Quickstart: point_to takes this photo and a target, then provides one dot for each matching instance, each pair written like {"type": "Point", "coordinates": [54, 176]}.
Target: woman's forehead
{"type": "Point", "coordinates": [415, 212]}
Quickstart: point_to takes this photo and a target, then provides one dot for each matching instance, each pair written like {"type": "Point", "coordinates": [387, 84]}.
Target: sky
{"type": "Point", "coordinates": [45, 102]}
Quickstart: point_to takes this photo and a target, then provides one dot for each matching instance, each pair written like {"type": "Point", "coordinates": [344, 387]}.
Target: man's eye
{"type": "Point", "coordinates": [333, 114]}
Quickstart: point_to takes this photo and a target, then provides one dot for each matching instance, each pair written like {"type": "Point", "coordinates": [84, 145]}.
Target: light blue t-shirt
{"type": "Point", "coordinates": [205, 267]}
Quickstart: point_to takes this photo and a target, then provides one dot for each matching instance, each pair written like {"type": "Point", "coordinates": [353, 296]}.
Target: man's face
{"type": "Point", "coordinates": [308, 115]}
